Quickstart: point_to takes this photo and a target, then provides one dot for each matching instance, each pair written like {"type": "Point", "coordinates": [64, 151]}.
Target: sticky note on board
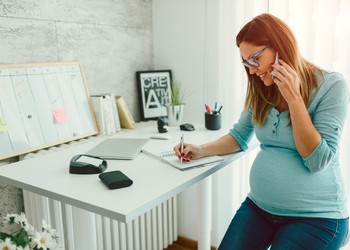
{"type": "Point", "coordinates": [3, 125]}
{"type": "Point", "coordinates": [60, 115]}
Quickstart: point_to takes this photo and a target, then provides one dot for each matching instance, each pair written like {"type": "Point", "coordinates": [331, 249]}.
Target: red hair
{"type": "Point", "coordinates": [267, 29]}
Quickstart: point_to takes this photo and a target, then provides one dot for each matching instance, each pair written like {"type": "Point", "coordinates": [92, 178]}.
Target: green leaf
{"type": "Point", "coordinates": [176, 95]}
{"type": "Point", "coordinates": [3, 236]}
{"type": "Point", "coordinates": [21, 238]}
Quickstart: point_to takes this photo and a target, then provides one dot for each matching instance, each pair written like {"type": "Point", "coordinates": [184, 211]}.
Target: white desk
{"type": "Point", "coordinates": [154, 181]}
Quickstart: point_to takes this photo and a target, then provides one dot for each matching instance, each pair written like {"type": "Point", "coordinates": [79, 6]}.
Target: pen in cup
{"type": "Point", "coordinates": [217, 112]}
{"type": "Point", "coordinates": [220, 109]}
{"type": "Point", "coordinates": [207, 108]}
{"type": "Point", "coordinates": [181, 146]}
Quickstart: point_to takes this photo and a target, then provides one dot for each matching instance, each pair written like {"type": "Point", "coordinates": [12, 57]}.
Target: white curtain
{"type": "Point", "coordinates": [322, 28]}
{"type": "Point", "coordinates": [230, 185]}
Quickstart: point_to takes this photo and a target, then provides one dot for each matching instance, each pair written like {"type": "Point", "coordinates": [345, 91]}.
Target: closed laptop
{"type": "Point", "coordinates": [118, 148]}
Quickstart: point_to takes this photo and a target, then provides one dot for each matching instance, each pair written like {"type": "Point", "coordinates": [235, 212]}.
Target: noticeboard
{"type": "Point", "coordinates": [42, 105]}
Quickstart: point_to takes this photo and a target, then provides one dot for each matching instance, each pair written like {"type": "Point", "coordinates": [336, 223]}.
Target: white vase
{"type": "Point", "coordinates": [175, 114]}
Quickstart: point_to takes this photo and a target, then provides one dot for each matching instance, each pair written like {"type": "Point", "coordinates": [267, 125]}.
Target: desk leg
{"type": "Point", "coordinates": [84, 229]}
{"type": "Point", "coordinates": [204, 213]}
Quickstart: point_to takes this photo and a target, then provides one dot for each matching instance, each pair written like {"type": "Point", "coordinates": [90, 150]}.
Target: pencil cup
{"type": "Point", "coordinates": [213, 121]}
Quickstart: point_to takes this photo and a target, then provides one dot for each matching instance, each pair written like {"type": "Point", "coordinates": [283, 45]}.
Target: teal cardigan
{"type": "Point", "coordinates": [284, 183]}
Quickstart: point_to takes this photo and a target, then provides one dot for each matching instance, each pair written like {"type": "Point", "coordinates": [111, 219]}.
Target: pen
{"type": "Point", "coordinates": [220, 109]}
{"type": "Point", "coordinates": [182, 145]}
{"type": "Point", "coordinates": [208, 108]}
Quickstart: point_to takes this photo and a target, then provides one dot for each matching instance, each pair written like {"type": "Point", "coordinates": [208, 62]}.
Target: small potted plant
{"type": "Point", "coordinates": [175, 109]}
{"type": "Point", "coordinates": [176, 95]}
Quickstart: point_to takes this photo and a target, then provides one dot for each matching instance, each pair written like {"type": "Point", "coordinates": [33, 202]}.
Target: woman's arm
{"type": "Point", "coordinates": [306, 136]}
{"type": "Point", "coordinates": [226, 144]}
{"type": "Point", "coordinates": [237, 139]}
{"type": "Point", "coordinates": [316, 135]}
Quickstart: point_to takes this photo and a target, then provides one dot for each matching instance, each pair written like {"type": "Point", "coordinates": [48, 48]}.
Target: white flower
{"type": "Point", "coordinates": [22, 220]}
{"type": "Point", "coordinates": [43, 240]}
{"type": "Point", "coordinates": [10, 218]}
{"type": "Point", "coordinates": [29, 229]}
{"type": "Point", "coordinates": [47, 228]}
{"type": "Point", "coordinates": [7, 244]}
{"type": "Point", "coordinates": [21, 248]}
{"type": "Point", "coordinates": [15, 218]}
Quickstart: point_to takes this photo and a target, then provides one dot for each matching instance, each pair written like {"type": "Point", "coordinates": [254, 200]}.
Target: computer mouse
{"type": "Point", "coordinates": [187, 127]}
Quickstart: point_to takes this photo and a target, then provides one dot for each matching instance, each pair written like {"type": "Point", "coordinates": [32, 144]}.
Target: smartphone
{"type": "Point", "coordinates": [276, 58]}
{"type": "Point", "coordinates": [276, 62]}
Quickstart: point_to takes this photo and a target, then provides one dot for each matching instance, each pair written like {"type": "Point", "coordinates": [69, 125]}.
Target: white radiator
{"type": "Point", "coordinates": [154, 230]}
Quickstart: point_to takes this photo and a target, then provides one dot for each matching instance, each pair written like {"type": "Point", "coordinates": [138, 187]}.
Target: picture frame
{"type": "Point", "coordinates": [154, 91]}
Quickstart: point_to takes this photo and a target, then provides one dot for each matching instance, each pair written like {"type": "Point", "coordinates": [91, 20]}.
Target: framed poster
{"type": "Point", "coordinates": [154, 89]}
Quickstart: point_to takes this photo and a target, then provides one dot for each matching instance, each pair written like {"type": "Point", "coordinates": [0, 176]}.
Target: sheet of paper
{"type": "Point", "coordinates": [90, 160]}
{"type": "Point", "coordinates": [156, 150]}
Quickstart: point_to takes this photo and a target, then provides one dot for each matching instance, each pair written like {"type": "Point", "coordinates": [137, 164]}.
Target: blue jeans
{"type": "Point", "coordinates": [253, 228]}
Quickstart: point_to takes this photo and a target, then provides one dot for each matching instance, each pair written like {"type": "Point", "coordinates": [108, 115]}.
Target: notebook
{"type": "Point", "coordinates": [156, 150]}
{"type": "Point", "coordinates": [118, 148]}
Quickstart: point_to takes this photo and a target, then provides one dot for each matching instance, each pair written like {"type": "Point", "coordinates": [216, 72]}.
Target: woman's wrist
{"type": "Point", "coordinates": [204, 150]}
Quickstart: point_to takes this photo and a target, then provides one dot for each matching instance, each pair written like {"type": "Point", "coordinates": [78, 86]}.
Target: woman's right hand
{"type": "Point", "coordinates": [226, 144]}
{"type": "Point", "coordinates": [190, 152]}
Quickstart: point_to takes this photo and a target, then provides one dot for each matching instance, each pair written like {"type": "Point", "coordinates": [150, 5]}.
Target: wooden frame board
{"type": "Point", "coordinates": [42, 105]}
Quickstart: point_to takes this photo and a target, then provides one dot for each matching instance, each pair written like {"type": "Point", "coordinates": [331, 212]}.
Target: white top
{"type": "Point", "coordinates": [153, 181]}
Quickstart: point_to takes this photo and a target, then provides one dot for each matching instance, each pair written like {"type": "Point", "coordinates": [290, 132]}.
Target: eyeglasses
{"type": "Point", "coordinates": [252, 61]}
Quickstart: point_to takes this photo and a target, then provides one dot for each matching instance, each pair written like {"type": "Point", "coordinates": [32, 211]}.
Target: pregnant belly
{"type": "Point", "coordinates": [279, 178]}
